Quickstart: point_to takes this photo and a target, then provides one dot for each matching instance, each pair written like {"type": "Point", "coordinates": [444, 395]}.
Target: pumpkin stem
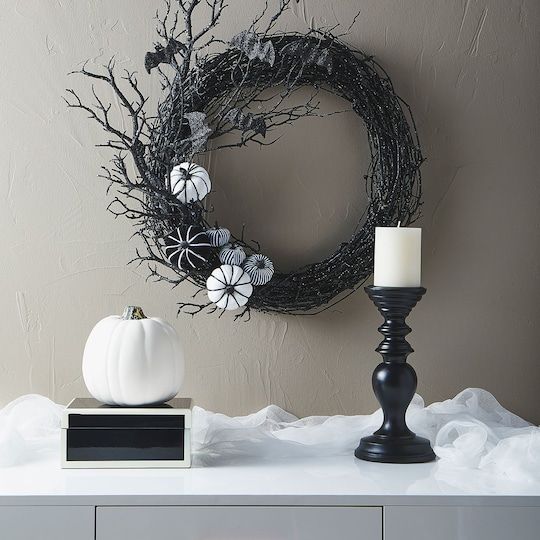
{"type": "Point", "coordinates": [132, 313]}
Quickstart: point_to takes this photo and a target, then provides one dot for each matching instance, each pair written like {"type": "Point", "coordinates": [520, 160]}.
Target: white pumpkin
{"type": "Point", "coordinates": [190, 182]}
{"type": "Point", "coordinates": [133, 360]}
{"type": "Point", "coordinates": [229, 287]}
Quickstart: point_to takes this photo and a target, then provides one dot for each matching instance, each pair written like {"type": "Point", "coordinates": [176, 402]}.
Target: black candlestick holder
{"type": "Point", "coordinates": [394, 382]}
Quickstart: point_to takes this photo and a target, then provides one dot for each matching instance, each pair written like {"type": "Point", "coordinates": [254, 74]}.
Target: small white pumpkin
{"type": "Point", "coordinates": [190, 182]}
{"type": "Point", "coordinates": [229, 287]}
{"type": "Point", "coordinates": [133, 360]}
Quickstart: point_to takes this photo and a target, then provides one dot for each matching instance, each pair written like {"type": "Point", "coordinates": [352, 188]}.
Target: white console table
{"type": "Point", "coordinates": [316, 499]}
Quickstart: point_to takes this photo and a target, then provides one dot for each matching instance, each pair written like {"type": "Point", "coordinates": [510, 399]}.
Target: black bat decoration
{"type": "Point", "coordinates": [309, 54]}
{"type": "Point", "coordinates": [162, 55]}
{"type": "Point", "coordinates": [246, 121]}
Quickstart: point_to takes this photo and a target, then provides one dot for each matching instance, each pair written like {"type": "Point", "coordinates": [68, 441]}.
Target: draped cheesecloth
{"type": "Point", "coordinates": [470, 431]}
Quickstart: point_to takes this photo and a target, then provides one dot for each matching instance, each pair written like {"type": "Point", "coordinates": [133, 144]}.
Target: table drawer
{"type": "Point", "coordinates": [47, 522]}
{"type": "Point", "coordinates": [238, 523]}
{"type": "Point", "coordinates": [461, 522]}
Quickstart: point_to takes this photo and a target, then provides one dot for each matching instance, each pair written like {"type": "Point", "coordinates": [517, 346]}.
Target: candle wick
{"type": "Point", "coordinates": [399, 223]}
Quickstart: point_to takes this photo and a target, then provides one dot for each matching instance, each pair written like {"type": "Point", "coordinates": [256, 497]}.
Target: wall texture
{"type": "Point", "coordinates": [470, 71]}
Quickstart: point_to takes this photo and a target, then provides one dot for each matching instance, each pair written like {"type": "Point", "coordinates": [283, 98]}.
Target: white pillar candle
{"type": "Point", "coordinates": [398, 257]}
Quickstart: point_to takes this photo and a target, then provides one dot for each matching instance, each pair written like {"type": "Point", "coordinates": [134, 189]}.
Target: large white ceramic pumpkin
{"type": "Point", "coordinates": [133, 360]}
{"type": "Point", "coordinates": [190, 182]}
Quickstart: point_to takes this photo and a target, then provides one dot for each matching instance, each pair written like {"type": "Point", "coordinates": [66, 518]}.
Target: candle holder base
{"type": "Point", "coordinates": [384, 449]}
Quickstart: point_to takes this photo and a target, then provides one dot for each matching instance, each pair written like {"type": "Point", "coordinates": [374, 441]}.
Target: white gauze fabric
{"type": "Point", "coordinates": [29, 429]}
{"type": "Point", "coordinates": [471, 431]}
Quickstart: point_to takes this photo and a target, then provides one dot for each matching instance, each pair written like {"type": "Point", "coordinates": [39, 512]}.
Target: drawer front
{"type": "Point", "coordinates": [461, 523]}
{"type": "Point", "coordinates": [238, 523]}
{"type": "Point", "coordinates": [47, 522]}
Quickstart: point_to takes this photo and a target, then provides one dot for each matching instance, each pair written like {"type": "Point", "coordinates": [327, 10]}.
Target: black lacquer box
{"type": "Point", "coordinates": [95, 435]}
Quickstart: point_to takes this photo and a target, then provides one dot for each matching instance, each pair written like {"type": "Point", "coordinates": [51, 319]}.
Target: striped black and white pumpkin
{"type": "Point", "coordinates": [229, 287]}
{"type": "Point", "coordinates": [232, 254]}
{"type": "Point", "coordinates": [218, 236]}
{"type": "Point", "coordinates": [259, 268]}
{"type": "Point", "coordinates": [187, 247]}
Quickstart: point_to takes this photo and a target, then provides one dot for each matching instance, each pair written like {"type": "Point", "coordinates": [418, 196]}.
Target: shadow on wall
{"type": "Point", "coordinates": [304, 194]}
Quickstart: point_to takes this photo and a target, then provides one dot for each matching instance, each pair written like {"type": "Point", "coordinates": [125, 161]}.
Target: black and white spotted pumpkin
{"type": "Point", "coordinates": [260, 269]}
{"type": "Point", "coordinates": [232, 254]}
{"type": "Point", "coordinates": [187, 247]}
{"type": "Point", "coordinates": [229, 287]}
{"type": "Point", "coordinates": [190, 182]}
{"type": "Point", "coordinates": [218, 236]}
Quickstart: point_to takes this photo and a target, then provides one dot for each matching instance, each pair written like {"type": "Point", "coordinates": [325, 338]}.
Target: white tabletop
{"type": "Point", "coordinates": [328, 481]}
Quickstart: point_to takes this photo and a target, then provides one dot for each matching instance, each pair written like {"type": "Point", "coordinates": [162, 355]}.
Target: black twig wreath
{"type": "Point", "coordinates": [208, 95]}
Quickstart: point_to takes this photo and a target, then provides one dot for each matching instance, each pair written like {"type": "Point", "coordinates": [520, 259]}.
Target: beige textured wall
{"type": "Point", "coordinates": [470, 71]}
